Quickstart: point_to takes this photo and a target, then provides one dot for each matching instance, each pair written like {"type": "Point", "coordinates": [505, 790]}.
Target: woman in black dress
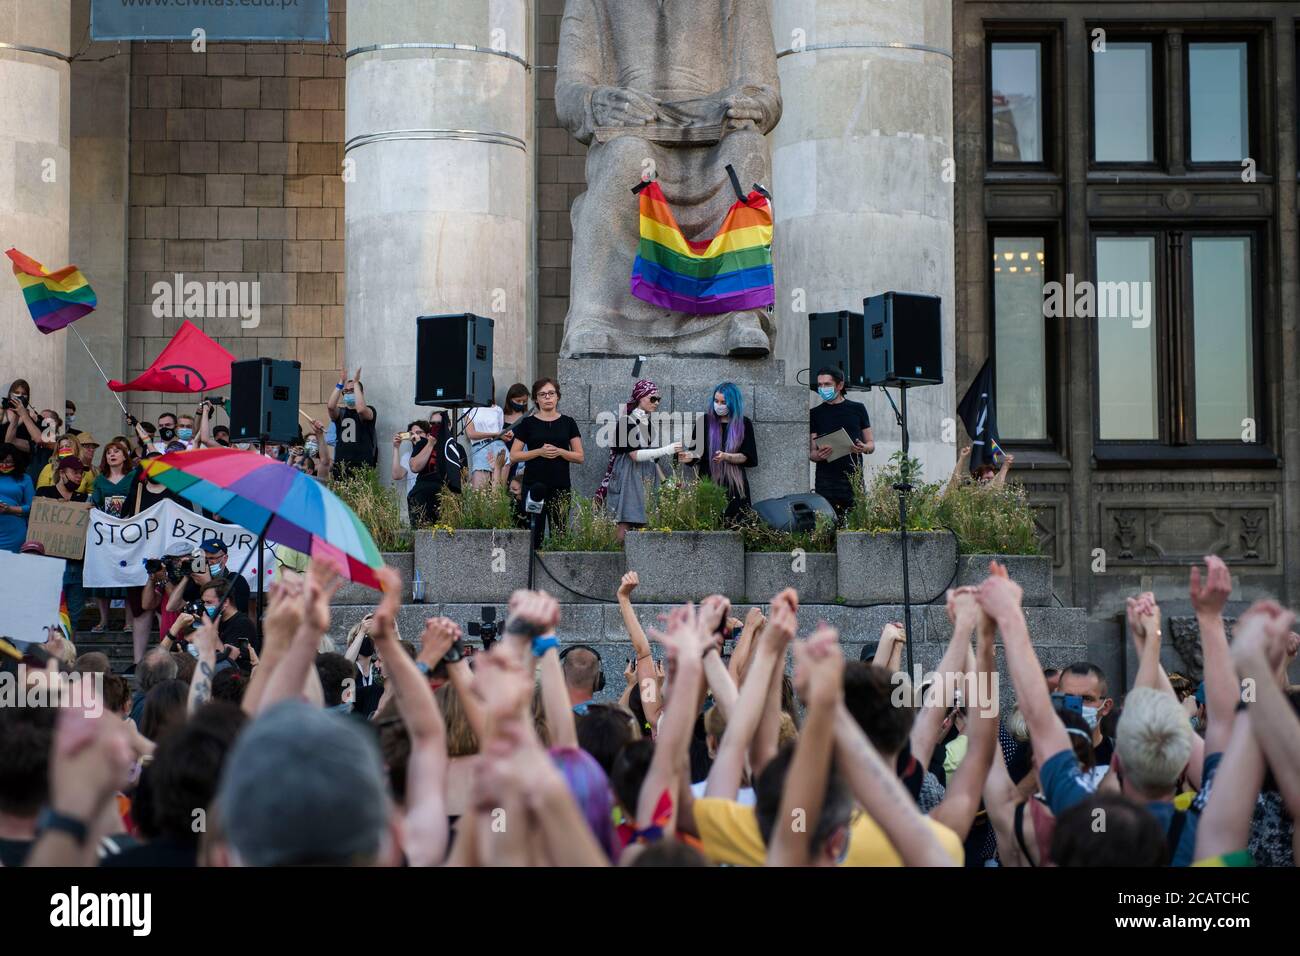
{"type": "Point", "coordinates": [729, 448]}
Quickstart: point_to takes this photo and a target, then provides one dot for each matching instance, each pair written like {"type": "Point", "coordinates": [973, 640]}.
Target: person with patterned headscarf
{"type": "Point", "coordinates": [634, 466]}
{"type": "Point", "coordinates": [729, 448]}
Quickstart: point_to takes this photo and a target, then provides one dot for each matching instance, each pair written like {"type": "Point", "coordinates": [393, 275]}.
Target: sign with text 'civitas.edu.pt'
{"type": "Point", "coordinates": [305, 21]}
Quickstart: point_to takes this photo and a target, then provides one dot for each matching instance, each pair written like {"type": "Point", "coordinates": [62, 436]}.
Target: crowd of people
{"type": "Point", "coordinates": [442, 752]}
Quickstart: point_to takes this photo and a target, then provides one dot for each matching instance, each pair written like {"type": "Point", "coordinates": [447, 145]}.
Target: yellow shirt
{"type": "Point", "coordinates": [730, 834]}
{"type": "Point", "coordinates": [46, 478]}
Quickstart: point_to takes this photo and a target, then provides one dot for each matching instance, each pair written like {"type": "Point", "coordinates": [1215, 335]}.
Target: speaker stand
{"type": "Point", "coordinates": [903, 487]}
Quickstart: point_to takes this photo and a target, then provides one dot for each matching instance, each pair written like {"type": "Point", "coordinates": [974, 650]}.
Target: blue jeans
{"type": "Point", "coordinates": [73, 591]}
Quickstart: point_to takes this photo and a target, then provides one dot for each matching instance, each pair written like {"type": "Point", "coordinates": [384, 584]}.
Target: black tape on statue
{"type": "Point", "coordinates": [762, 192]}
{"type": "Point", "coordinates": [636, 190]}
{"type": "Point", "coordinates": [735, 182]}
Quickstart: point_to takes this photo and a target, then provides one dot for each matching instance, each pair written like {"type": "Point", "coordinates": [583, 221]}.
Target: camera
{"type": "Point", "coordinates": [196, 610]}
{"type": "Point", "coordinates": [486, 628]}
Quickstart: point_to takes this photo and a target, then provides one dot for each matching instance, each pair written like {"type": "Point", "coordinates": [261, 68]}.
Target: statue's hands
{"type": "Point", "coordinates": [612, 106]}
{"type": "Point", "coordinates": [741, 108]}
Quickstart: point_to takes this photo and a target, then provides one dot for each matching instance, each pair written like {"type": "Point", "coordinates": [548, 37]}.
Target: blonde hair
{"type": "Point", "coordinates": [461, 741]}
{"type": "Point", "coordinates": [1154, 740]}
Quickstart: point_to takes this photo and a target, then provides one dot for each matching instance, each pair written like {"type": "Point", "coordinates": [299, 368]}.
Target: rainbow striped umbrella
{"type": "Point", "coordinates": [288, 506]}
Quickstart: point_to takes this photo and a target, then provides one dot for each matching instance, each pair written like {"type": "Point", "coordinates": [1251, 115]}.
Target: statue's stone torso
{"type": "Point", "coordinates": [669, 50]}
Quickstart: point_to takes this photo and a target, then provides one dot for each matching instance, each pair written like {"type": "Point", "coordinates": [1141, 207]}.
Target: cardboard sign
{"type": "Point", "coordinates": [30, 587]}
{"type": "Point", "coordinates": [60, 526]}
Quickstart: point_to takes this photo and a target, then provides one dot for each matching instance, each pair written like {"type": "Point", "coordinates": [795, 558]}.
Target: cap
{"type": "Point", "coordinates": [177, 549]}
{"type": "Point", "coordinates": [70, 463]}
{"type": "Point", "coordinates": [213, 546]}
{"type": "Point", "coordinates": [86, 438]}
{"type": "Point", "coordinates": [303, 786]}
{"type": "Point", "coordinates": [32, 547]}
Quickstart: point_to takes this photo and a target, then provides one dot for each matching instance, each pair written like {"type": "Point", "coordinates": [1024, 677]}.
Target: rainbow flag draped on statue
{"type": "Point", "coordinates": [54, 299]}
{"type": "Point", "coordinates": [731, 272]}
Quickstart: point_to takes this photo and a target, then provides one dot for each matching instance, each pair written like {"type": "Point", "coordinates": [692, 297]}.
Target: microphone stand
{"type": "Point", "coordinates": [903, 487]}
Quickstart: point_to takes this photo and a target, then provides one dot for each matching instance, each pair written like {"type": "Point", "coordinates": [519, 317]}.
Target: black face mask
{"type": "Point", "coordinates": [519, 406]}
{"type": "Point", "coordinates": [166, 434]}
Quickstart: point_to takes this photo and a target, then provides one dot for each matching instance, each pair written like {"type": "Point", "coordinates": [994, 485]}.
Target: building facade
{"type": "Point", "coordinates": [1140, 156]}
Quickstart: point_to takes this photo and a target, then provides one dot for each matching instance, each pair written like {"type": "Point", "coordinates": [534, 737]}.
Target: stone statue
{"type": "Point", "coordinates": [676, 89]}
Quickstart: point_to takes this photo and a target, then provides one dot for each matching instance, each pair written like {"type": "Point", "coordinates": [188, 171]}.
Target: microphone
{"type": "Point", "coordinates": [536, 499]}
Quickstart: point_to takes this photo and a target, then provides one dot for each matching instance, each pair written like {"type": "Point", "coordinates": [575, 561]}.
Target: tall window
{"type": "Point", "coordinates": [1123, 103]}
{"type": "Point", "coordinates": [1218, 86]}
{"type": "Point", "coordinates": [1016, 102]}
{"type": "Point", "coordinates": [1181, 371]}
{"type": "Point", "coordinates": [1126, 353]}
{"type": "Point", "coordinates": [1223, 315]}
{"type": "Point", "coordinates": [1020, 347]}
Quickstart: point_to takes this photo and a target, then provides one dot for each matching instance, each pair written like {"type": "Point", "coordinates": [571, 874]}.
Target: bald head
{"type": "Point", "coordinates": [581, 668]}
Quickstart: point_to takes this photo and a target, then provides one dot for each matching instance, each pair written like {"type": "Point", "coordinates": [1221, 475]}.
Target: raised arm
{"type": "Point", "coordinates": [206, 640]}
{"type": "Point", "coordinates": [426, 832]}
{"type": "Point", "coordinates": [1222, 691]}
{"type": "Point", "coordinates": [1258, 647]}
{"type": "Point", "coordinates": [819, 680]}
{"type": "Point", "coordinates": [1225, 822]}
{"type": "Point", "coordinates": [646, 678]}
{"type": "Point", "coordinates": [287, 680]}
{"type": "Point", "coordinates": [1000, 479]}
{"type": "Point", "coordinates": [961, 800]}
{"type": "Point", "coordinates": [729, 766]}
{"type": "Point", "coordinates": [959, 470]}
{"type": "Point", "coordinates": [999, 597]}
{"type": "Point", "coordinates": [963, 613]}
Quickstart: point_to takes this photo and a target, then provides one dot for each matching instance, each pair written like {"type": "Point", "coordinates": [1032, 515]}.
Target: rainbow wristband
{"type": "Point", "coordinates": [544, 643]}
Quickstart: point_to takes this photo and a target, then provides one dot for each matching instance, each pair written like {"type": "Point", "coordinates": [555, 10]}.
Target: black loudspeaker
{"type": "Point", "coordinates": [264, 400]}
{"type": "Point", "coordinates": [793, 512]}
{"type": "Point", "coordinates": [835, 341]}
{"type": "Point", "coordinates": [453, 360]}
{"type": "Point", "coordinates": [903, 338]}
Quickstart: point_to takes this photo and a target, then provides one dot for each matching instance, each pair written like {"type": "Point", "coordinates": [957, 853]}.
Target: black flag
{"type": "Point", "coordinates": [978, 411]}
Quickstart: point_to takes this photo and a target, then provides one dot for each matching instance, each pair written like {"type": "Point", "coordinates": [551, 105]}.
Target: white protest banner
{"type": "Point", "coordinates": [116, 548]}
{"type": "Point", "coordinates": [30, 586]}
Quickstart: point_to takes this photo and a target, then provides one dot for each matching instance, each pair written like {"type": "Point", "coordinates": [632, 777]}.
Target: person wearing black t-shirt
{"type": "Point", "coordinates": [354, 425]}
{"type": "Point", "coordinates": [218, 571]}
{"type": "Point", "coordinates": [67, 479]}
{"type": "Point", "coordinates": [834, 479]}
{"type": "Point", "coordinates": [547, 442]}
{"type": "Point", "coordinates": [235, 629]}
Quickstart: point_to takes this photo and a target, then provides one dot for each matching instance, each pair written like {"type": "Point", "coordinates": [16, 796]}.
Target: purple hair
{"type": "Point", "coordinates": [590, 790]}
{"type": "Point", "coordinates": [725, 473]}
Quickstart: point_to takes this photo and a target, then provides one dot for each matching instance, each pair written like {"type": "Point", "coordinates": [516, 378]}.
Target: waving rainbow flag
{"type": "Point", "coordinates": [731, 272]}
{"type": "Point", "coordinates": [54, 299]}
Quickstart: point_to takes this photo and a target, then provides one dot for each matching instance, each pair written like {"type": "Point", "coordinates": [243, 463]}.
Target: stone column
{"type": "Point", "coordinates": [439, 186]}
{"type": "Point", "coordinates": [101, 169]}
{"type": "Point", "coordinates": [862, 202]}
{"type": "Point", "coordinates": [35, 177]}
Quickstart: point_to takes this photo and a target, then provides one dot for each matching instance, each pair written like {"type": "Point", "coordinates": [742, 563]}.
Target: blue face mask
{"type": "Point", "coordinates": [343, 708]}
{"type": "Point", "coordinates": [185, 434]}
{"type": "Point", "coordinates": [214, 569]}
{"type": "Point", "coordinates": [827, 392]}
{"type": "Point", "coordinates": [210, 612]}
{"type": "Point", "coordinates": [350, 400]}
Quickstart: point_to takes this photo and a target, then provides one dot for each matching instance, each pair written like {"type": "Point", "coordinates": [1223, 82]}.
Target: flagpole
{"type": "Point", "coordinates": [98, 366]}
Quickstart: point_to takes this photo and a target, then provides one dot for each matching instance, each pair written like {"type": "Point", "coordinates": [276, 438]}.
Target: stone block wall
{"type": "Point", "coordinates": [236, 174]}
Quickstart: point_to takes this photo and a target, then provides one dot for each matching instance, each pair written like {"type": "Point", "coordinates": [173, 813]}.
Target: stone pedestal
{"type": "Point", "coordinates": [593, 389]}
{"type": "Point", "coordinates": [439, 187]}
{"type": "Point", "coordinates": [861, 199]}
{"type": "Point", "coordinates": [35, 176]}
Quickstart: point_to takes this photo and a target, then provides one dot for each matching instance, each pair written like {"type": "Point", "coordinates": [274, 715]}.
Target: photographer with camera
{"type": "Point", "coordinates": [20, 428]}
{"type": "Point", "coordinates": [235, 631]}
{"type": "Point", "coordinates": [208, 564]}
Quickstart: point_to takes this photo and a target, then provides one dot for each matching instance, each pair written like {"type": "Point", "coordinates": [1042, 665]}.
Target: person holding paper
{"type": "Point", "coordinates": [834, 477]}
{"type": "Point", "coordinates": [67, 487]}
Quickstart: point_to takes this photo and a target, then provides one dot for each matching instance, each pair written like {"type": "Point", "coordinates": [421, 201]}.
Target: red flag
{"type": "Point", "coordinates": [191, 362]}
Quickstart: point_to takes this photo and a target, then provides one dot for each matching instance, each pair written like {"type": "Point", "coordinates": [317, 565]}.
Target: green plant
{"type": "Point", "coordinates": [677, 505]}
{"type": "Point", "coordinates": [762, 537]}
{"type": "Point", "coordinates": [985, 519]}
{"type": "Point", "coordinates": [586, 527]}
{"type": "Point", "coordinates": [476, 509]}
{"type": "Point", "coordinates": [377, 506]}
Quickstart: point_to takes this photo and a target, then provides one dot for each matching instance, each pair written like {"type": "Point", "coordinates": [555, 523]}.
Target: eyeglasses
{"type": "Point", "coordinates": [548, 394]}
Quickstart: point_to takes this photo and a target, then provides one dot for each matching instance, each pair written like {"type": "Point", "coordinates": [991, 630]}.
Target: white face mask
{"type": "Point", "coordinates": [720, 409]}
{"type": "Point", "coordinates": [1090, 716]}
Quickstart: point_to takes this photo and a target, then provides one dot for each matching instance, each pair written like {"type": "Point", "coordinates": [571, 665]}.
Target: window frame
{"type": "Point", "coordinates": [1159, 103]}
{"type": "Point", "coordinates": [1254, 103]}
{"type": "Point", "coordinates": [1176, 352]}
{"type": "Point", "coordinates": [1046, 41]}
{"type": "Point", "coordinates": [1053, 339]}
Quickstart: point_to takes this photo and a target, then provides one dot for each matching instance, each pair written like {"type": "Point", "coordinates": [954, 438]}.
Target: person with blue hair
{"type": "Point", "coordinates": [728, 449]}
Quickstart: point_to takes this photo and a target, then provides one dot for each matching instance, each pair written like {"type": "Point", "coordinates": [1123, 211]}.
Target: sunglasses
{"type": "Point", "coordinates": [655, 399]}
